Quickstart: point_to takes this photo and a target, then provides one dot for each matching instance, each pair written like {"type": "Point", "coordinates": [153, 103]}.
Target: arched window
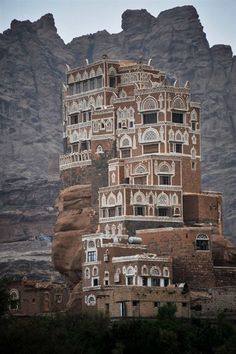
{"type": "Point", "coordinates": [95, 271]}
{"type": "Point", "coordinates": [164, 168]}
{"type": "Point", "coordinates": [78, 76]}
{"type": "Point", "coordinates": [149, 104]}
{"type": "Point", "coordinates": [84, 104]}
{"type": "Point", "coordinates": [130, 279]}
{"type": "Point", "coordinates": [165, 173]}
{"type": "Point", "coordinates": [178, 136]}
{"type": "Point", "coordinates": [119, 198]}
{"type": "Point", "coordinates": [122, 94]}
{"type": "Point", "coordinates": [107, 229]}
{"type": "Point", "coordinates": [163, 199]}
{"type": "Point", "coordinates": [74, 107]}
{"type": "Point", "coordinates": [91, 102]}
{"type": "Point", "coordinates": [166, 272]}
{"type": "Point", "coordinates": [150, 135]}
{"type": "Point", "coordinates": [87, 273]}
{"type": "Point", "coordinates": [140, 169]}
{"type": "Point", "coordinates": [92, 73]}
{"type": "Point", "coordinates": [144, 270]}
{"type": "Point", "coordinates": [74, 137]}
{"type": "Point", "coordinates": [112, 77]}
{"type": "Point", "coordinates": [109, 125]}
{"type": "Point", "coordinates": [14, 299]}
{"type": "Point", "coordinates": [99, 71]}
{"type": "Point", "coordinates": [91, 244]}
{"type": "Point", "coordinates": [186, 136]}
{"type": "Point", "coordinates": [193, 153]}
{"type": "Point", "coordinates": [202, 242]}
{"type": "Point", "coordinates": [91, 300]}
{"type": "Point", "coordinates": [175, 199]}
{"type": "Point", "coordinates": [113, 229]}
{"type": "Point", "coordinates": [178, 103]}
{"type": "Point", "coordinates": [125, 142]}
{"type": "Point", "coordinates": [99, 149]}
{"type": "Point", "coordinates": [99, 101]}
{"type": "Point", "coordinates": [139, 198]}
{"type": "Point", "coordinates": [85, 75]}
{"type": "Point", "coordinates": [194, 115]}
{"type": "Point", "coordinates": [111, 200]}
{"type": "Point", "coordinates": [155, 271]}
{"type": "Point", "coordinates": [70, 79]}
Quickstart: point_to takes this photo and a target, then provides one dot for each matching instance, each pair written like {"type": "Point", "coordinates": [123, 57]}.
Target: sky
{"type": "Point", "coordinates": [74, 18]}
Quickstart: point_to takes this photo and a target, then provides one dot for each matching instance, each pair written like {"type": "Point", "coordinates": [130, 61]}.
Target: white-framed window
{"type": "Point", "coordinates": [95, 271]}
{"type": "Point", "coordinates": [130, 276]}
{"type": "Point", "coordinates": [87, 273]}
{"type": "Point", "coordinates": [14, 300]}
{"type": "Point", "coordinates": [91, 300]}
{"type": "Point", "coordinates": [166, 272]}
{"type": "Point", "coordinates": [95, 281]}
{"type": "Point", "coordinates": [91, 256]}
{"type": "Point", "coordinates": [202, 242]}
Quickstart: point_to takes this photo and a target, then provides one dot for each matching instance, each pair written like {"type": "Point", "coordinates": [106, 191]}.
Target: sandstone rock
{"type": "Point", "coordinates": [74, 220]}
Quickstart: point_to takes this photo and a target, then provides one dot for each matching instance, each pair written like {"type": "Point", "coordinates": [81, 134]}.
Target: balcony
{"type": "Point", "coordinates": [75, 159]}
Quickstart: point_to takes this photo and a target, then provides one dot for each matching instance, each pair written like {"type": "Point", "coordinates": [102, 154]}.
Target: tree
{"type": "Point", "coordinates": [4, 296]}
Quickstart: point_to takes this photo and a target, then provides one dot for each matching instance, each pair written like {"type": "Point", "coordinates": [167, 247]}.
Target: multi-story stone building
{"type": "Point", "coordinates": [136, 139]}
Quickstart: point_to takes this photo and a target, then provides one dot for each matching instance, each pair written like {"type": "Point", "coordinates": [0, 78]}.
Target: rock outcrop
{"type": "Point", "coordinates": [32, 64]}
{"type": "Point", "coordinates": [75, 219]}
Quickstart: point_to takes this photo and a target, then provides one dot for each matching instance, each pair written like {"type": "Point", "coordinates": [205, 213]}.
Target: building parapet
{"type": "Point", "coordinates": [75, 159]}
{"type": "Point", "coordinates": [142, 218]}
{"type": "Point", "coordinates": [124, 99]}
{"type": "Point", "coordinates": [195, 104]}
{"type": "Point", "coordinates": [140, 186]}
{"type": "Point", "coordinates": [79, 125]}
{"type": "Point", "coordinates": [141, 257]}
{"type": "Point", "coordinates": [161, 88]}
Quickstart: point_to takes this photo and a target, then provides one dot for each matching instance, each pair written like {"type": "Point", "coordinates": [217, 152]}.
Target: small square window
{"type": "Point", "coordinates": [177, 117]}
{"type": "Point", "coordinates": [95, 282]}
{"type": "Point", "coordinates": [130, 280]}
{"type": "Point", "coordinates": [144, 281]}
{"type": "Point", "coordinates": [178, 148]}
{"type": "Point", "coordinates": [92, 256]}
{"type": "Point", "coordinates": [139, 210]}
{"type": "Point", "coordinates": [165, 180]}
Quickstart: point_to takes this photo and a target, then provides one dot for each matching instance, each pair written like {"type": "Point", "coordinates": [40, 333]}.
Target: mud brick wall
{"type": "Point", "coordinates": [139, 302]}
{"type": "Point", "coordinates": [202, 208]}
{"type": "Point", "coordinates": [225, 276]}
{"type": "Point", "coordinates": [189, 264]}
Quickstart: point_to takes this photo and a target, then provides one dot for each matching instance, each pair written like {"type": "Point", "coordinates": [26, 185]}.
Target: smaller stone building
{"type": "Point", "coordinates": [30, 297]}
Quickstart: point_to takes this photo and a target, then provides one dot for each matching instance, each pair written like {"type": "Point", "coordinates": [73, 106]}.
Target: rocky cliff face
{"type": "Point", "coordinates": [32, 65]}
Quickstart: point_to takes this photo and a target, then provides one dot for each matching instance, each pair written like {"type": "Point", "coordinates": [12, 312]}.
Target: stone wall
{"type": "Point", "coordinates": [189, 264]}
{"type": "Point", "coordinates": [137, 302]}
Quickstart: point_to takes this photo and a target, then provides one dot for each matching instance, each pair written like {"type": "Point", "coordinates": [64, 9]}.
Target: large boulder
{"type": "Point", "coordinates": [75, 218]}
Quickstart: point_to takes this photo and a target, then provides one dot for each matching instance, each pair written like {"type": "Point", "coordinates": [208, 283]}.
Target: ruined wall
{"type": "Point", "coordinates": [213, 302]}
